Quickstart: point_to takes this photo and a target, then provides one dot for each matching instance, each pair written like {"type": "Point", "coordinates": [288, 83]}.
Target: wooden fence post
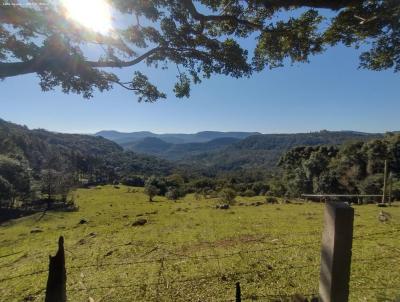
{"type": "Point", "coordinates": [384, 182]}
{"type": "Point", "coordinates": [390, 188]}
{"type": "Point", "coordinates": [336, 252]}
{"type": "Point", "coordinates": [56, 283]}
{"type": "Point", "coordinates": [238, 292]}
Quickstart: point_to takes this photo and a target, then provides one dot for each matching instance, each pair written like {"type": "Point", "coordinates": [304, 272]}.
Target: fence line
{"type": "Point", "coordinates": [375, 234]}
{"type": "Point", "coordinates": [211, 256]}
{"type": "Point", "coordinates": [260, 240]}
{"type": "Point", "coordinates": [12, 254]}
{"type": "Point", "coordinates": [24, 275]}
{"type": "Point", "coordinates": [199, 278]}
{"type": "Point", "coordinates": [377, 288]}
{"type": "Point", "coordinates": [208, 256]}
{"type": "Point", "coordinates": [225, 276]}
{"type": "Point", "coordinates": [275, 296]}
{"type": "Point", "coordinates": [231, 275]}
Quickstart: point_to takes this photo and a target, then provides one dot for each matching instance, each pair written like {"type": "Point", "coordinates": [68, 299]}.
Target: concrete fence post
{"type": "Point", "coordinates": [56, 283]}
{"type": "Point", "coordinates": [336, 252]}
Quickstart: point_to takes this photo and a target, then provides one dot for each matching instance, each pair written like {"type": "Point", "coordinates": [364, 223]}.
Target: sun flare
{"type": "Point", "coordinates": [93, 14]}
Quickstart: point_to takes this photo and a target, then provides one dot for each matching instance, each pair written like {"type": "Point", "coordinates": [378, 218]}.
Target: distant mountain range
{"type": "Point", "coordinates": [205, 152]}
{"type": "Point", "coordinates": [227, 150]}
{"type": "Point", "coordinates": [173, 138]}
{"type": "Point", "coordinates": [41, 149]}
{"type": "Point", "coordinates": [170, 151]}
{"type": "Point", "coordinates": [264, 151]}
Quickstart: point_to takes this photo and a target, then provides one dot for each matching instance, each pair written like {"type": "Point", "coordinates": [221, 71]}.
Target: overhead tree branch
{"type": "Point", "coordinates": [137, 60]}
{"type": "Point", "coordinates": [18, 68]}
{"type": "Point", "coordinates": [326, 4]}
{"type": "Point", "coordinates": [38, 65]}
{"type": "Point", "coordinates": [270, 4]}
{"type": "Point", "coordinates": [189, 5]}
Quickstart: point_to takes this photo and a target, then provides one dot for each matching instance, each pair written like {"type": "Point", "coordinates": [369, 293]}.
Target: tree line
{"type": "Point", "coordinates": [351, 168]}
{"type": "Point", "coordinates": [40, 167]}
{"type": "Point", "coordinates": [37, 166]}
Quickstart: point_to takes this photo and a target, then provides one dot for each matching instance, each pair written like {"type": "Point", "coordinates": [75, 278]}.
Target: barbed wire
{"type": "Point", "coordinates": [305, 234]}
{"type": "Point", "coordinates": [262, 239]}
{"type": "Point", "coordinates": [180, 258]}
{"type": "Point", "coordinates": [226, 255]}
{"type": "Point", "coordinates": [198, 257]}
{"type": "Point", "coordinates": [24, 275]}
{"type": "Point", "coordinates": [273, 297]}
{"type": "Point", "coordinates": [374, 259]}
{"type": "Point", "coordinates": [12, 254]}
{"type": "Point", "coordinates": [367, 235]}
{"type": "Point", "coordinates": [377, 288]}
{"type": "Point", "coordinates": [223, 276]}
{"type": "Point", "coordinates": [207, 256]}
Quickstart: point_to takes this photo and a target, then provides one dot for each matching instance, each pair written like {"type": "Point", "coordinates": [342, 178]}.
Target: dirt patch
{"type": "Point", "coordinates": [139, 222]}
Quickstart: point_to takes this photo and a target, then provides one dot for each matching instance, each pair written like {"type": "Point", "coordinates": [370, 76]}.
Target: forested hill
{"type": "Point", "coordinates": [160, 148]}
{"type": "Point", "coordinates": [172, 138]}
{"type": "Point", "coordinates": [40, 146]}
{"type": "Point", "coordinates": [353, 168]}
{"type": "Point", "coordinates": [86, 154]}
{"type": "Point", "coordinates": [263, 151]}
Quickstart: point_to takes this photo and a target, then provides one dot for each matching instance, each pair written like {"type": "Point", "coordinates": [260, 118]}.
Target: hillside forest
{"type": "Point", "coordinates": [38, 168]}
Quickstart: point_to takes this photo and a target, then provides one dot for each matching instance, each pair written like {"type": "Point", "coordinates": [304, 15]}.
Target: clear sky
{"type": "Point", "coordinates": [328, 93]}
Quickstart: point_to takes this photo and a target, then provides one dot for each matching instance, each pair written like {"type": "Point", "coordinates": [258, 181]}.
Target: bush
{"type": "Point", "coordinates": [373, 184]}
{"type": "Point", "coordinates": [249, 193]}
{"type": "Point", "coordinates": [133, 181]}
{"type": "Point", "coordinates": [150, 189]}
{"type": "Point", "coordinates": [5, 190]}
{"type": "Point", "coordinates": [210, 194]}
{"type": "Point", "coordinates": [174, 193]}
{"type": "Point", "coordinates": [228, 195]}
{"type": "Point", "coordinates": [276, 188]}
{"type": "Point", "coordinates": [271, 200]}
{"type": "Point", "coordinates": [396, 189]}
{"type": "Point", "coordinates": [260, 188]}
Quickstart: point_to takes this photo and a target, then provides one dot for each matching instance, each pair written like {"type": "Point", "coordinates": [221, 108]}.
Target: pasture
{"type": "Point", "coordinates": [190, 251]}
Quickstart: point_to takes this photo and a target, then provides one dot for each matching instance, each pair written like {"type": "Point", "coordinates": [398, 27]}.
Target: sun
{"type": "Point", "coordinates": [93, 14]}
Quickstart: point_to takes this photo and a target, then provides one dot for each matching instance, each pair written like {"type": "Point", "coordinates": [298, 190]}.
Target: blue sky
{"type": "Point", "coordinates": [328, 93]}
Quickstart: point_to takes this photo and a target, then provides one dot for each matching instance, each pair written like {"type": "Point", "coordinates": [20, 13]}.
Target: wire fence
{"type": "Point", "coordinates": [267, 253]}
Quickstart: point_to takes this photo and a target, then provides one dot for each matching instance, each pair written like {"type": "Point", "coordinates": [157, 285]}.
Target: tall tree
{"type": "Point", "coordinates": [5, 190]}
{"type": "Point", "coordinates": [15, 178]}
{"type": "Point", "coordinates": [201, 37]}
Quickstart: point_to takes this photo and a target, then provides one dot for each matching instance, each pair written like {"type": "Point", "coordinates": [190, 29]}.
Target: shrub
{"type": "Point", "coordinates": [133, 181]}
{"type": "Point", "coordinates": [150, 189]}
{"type": "Point", "coordinates": [228, 195]}
{"type": "Point", "coordinates": [396, 189]}
{"type": "Point", "coordinates": [271, 200]}
{"type": "Point", "coordinates": [174, 193]}
{"type": "Point", "coordinates": [249, 193]}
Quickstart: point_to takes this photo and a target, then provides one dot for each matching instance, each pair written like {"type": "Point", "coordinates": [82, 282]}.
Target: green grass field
{"type": "Point", "coordinates": [190, 251]}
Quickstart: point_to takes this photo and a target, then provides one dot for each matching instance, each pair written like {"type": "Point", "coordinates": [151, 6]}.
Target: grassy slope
{"type": "Point", "coordinates": [252, 239]}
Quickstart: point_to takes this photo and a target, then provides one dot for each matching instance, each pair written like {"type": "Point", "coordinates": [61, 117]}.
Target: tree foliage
{"type": "Point", "coordinates": [37, 164]}
{"type": "Point", "coordinates": [201, 37]}
{"type": "Point", "coordinates": [228, 195]}
{"type": "Point", "coordinates": [353, 168]}
{"type": "Point", "coordinates": [15, 179]}
{"type": "Point", "coordinates": [150, 187]}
